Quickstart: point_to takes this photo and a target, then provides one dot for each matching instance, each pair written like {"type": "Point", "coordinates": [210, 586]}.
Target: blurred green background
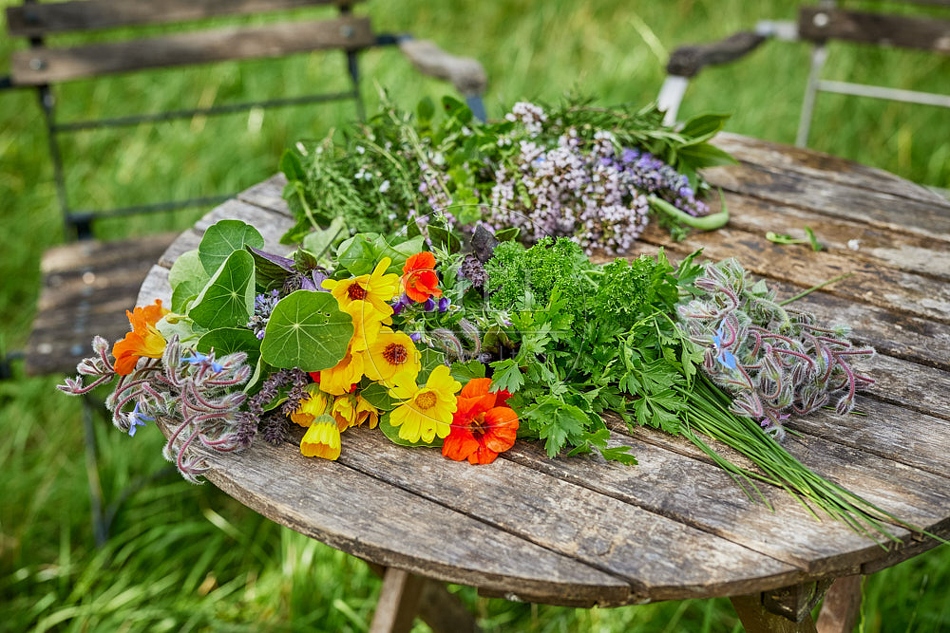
{"type": "Point", "coordinates": [186, 558]}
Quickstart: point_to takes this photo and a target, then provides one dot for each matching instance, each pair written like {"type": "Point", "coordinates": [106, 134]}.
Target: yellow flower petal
{"type": "Point", "coordinates": [367, 324]}
{"type": "Point", "coordinates": [375, 289]}
{"type": "Point", "coordinates": [426, 412]}
{"type": "Point", "coordinates": [322, 439]}
{"type": "Point", "coordinates": [339, 379]}
{"type": "Point", "coordinates": [311, 408]}
{"type": "Point", "coordinates": [392, 358]}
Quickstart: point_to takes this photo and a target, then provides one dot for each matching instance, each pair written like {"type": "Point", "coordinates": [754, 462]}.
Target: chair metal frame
{"type": "Point", "coordinates": [815, 25]}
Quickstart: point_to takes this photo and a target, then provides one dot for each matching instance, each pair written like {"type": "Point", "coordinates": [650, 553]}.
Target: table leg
{"type": "Point", "coordinates": [398, 602]}
{"type": "Point", "coordinates": [842, 607]}
{"type": "Point", "coordinates": [405, 596]}
{"type": "Point", "coordinates": [786, 610]}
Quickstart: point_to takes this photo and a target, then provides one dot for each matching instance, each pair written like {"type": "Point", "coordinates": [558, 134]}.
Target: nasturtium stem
{"type": "Point", "coordinates": [705, 223]}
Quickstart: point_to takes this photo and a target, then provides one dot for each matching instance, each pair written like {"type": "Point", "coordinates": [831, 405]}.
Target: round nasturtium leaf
{"type": "Point", "coordinates": [306, 330]}
{"type": "Point", "coordinates": [228, 298]}
{"type": "Point", "coordinates": [223, 238]}
{"type": "Point", "coordinates": [228, 340]}
{"type": "Point", "coordinates": [187, 278]}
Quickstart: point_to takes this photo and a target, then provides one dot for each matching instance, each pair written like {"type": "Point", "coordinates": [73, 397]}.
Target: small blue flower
{"type": "Point", "coordinates": [136, 419]}
{"type": "Point", "coordinates": [198, 358]}
{"type": "Point", "coordinates": [726, 358]}
{"type": "Point", "coordinates": [444, 304]}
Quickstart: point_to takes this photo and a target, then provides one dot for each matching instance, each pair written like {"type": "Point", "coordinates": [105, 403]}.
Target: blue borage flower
{"type": "Point", "coordinates": [197, 358]}
{"type": "Point", "coordinates": [726, 358]}
{"type": "Point", "coordinates": [136, 419]}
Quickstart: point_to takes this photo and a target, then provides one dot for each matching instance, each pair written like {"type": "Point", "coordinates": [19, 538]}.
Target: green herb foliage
{"type": "Point", "coordinates": [396, 167]}
{"type": "Point", "coordinates": [588, 339]}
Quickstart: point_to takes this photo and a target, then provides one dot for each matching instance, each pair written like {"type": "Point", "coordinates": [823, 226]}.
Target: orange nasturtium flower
{"type": "Point", "coordinates": [426, 412]}
{"type": "Point", "coordinates": [376, 289]}
{"type": "Point", "coordinates": [419, 280]}
{"type": "Point", "coordinates": [143, 341]}
{"type": "Point", "coordinates": [322, 439]}
{"type": "Point", "coordinates": [483, 425]}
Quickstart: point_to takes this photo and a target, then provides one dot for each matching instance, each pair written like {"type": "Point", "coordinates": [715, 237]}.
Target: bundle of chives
{"type": "Point", "coordinates": [708, 414]}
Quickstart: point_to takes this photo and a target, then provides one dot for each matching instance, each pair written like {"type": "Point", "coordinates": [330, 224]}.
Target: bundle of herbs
{"type": "Point", "coordinates": [443, 291]}
{"type": "Point", "coordinates": [574, 170]}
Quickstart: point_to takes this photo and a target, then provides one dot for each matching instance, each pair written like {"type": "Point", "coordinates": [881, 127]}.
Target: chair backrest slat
{"type": "Point", "coordinates": [37, 66]}
{"type": "Point", "coordinates": [818, 24]}
{"type": "Point", "coordinates": [37, 20]}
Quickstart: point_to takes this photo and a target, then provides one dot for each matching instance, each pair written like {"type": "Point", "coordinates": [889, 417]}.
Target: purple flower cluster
{"type": "Point", "coordinates": [585, 190]}
{"type": "Point", "coordinates": [774, 362]}
{"type": "Point", "coordinates": [273, 424]}
{"type": "Point", "coordinates": [263, 306]}
{"type": "Point", "coordinates": [569, 191]}
{"type": "Point", "coordinates": [429, 305]}
{"type": "Point", "coordinates": [647, 173]}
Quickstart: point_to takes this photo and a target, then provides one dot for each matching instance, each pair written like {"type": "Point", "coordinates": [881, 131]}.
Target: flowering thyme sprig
{"type": "Point", "coordinates": [773, 361]}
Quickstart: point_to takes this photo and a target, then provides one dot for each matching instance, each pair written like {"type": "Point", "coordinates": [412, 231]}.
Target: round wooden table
{"type": "Point", "coordinates": [579, 531]}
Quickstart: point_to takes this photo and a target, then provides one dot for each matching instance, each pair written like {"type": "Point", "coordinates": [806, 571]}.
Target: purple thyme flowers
{"type": "Point", "coordinates": [590, 191]}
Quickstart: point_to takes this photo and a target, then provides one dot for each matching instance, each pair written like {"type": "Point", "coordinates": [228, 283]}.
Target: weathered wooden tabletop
{"type": "Point", "coordinates": [579, 531]}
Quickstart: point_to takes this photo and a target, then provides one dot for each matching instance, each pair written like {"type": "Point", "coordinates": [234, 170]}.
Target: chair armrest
{"type": "Point", "coordinates": [687, 61]}
{"type": "Point", "coordinates": [466, 74]}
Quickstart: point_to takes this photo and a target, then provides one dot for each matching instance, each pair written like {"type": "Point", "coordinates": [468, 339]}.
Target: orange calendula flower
{"type": "Point", "coordinates": [419, 279]}
{"type": "Point", "coordinates": [353, 410]}
{"type": "Point", "coordinates": [376, 289]}
{"type": "Point", "coordinates": [392, 358]}
{"type": "Point", "coordinates": [311, 408]}
{"type": "Point", "coordinates": [322, 439]}
{"type": "Point", "coordinates": [483, 425]}
{"type": "Point", "coordinates": [426, 412]}
{"type": "Point", "coordinates": [143, 341]}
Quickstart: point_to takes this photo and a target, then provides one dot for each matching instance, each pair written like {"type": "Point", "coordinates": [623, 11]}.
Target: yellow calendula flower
{"type": "Point", "coordinates": [322, 439]}
{"type": "Point", "coordinates": [392, 358]}
{"type": "Point", "coordinates": [353, 410]}
{"type": "Point", "coordinates": [375, 289]}
{"type": "Point", "coordinates": [426, 412]}
{"type": "Point", "coordinates": [367, 323]}
{"type": "Point", "coordinates": [340, 378]}
{"type": "Point", "coordinates": [311, 408]}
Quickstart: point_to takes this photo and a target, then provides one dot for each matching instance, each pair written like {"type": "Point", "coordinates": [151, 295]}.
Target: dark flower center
{"type": "Point", "coordinates": [395, 354]}
{"type": "Point", "coordinates": [356, 292]}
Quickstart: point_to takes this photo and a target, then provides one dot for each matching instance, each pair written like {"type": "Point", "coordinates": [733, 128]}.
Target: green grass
{"type": "Point", "coordinates": [186, 558]}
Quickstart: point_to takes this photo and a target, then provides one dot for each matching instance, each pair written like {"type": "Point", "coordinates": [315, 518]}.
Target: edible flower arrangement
{"type": "Point", "coordinates": [443, 289]}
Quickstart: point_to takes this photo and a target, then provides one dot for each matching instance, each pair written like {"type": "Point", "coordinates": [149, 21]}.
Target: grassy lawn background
{"type": "Point", "coordinates": [190, 558]}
